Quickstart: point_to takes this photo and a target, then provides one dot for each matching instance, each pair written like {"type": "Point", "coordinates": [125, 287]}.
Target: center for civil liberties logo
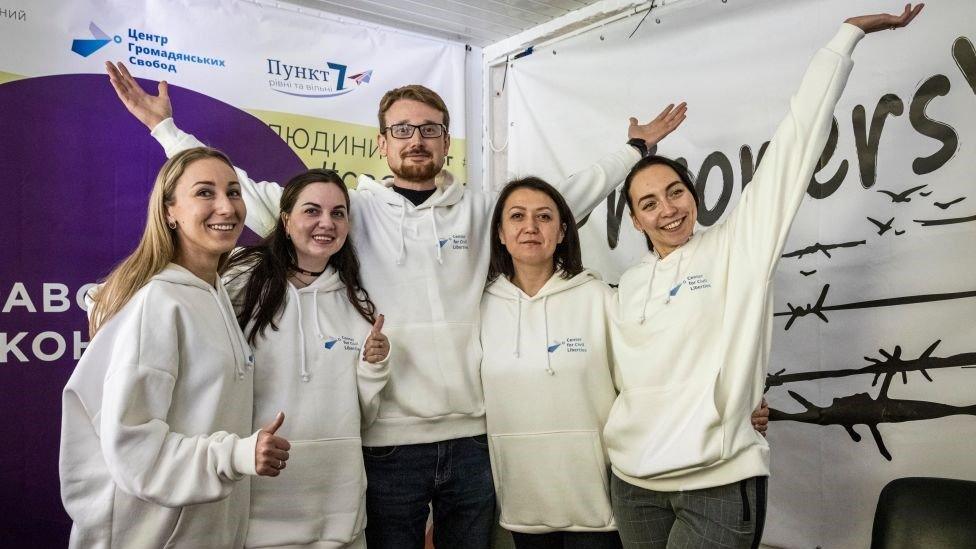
{"type": "Point", "coordinates": [569, 345]}
{"type": "Point", "coordinates": [455, 242]}
{"type": "Point", "coordinates": [303, 81]}
{"type": "Point", "coordinates": [87, 46]}
{"type": "Point", "coordinates": [345, 342]}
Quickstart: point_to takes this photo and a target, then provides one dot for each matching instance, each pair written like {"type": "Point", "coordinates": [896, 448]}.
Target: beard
{"type": "Point", "coordinates": [417, 173]}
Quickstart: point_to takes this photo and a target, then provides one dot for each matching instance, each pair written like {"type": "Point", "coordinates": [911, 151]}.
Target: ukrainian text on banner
{"type": "Point", "coordinates": [277, 90]}
{"type": "Point", "coordinates": [874, 293]}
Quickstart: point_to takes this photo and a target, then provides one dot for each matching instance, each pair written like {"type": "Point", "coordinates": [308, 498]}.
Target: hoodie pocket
{"type": "Point", "coordinates": [558, 479]}
{"type": "Point", "coordinates": [139, 523]}
{"type": "Point", "coordinates": [660, 431]}
{"type": "Point", "coordinates": [320, 496]}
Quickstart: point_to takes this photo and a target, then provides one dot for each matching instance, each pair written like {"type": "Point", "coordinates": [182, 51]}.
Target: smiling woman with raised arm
{"type": "Point", "coordinates": [156, 416]}
{"type": "Point", "coordinates": [692, 340]}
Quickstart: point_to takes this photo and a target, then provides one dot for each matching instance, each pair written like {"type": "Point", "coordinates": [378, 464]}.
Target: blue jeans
{"type": "Point", "coordinates": [452, 476]}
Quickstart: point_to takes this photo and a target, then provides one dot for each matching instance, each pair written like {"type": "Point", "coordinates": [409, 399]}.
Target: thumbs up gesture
{"type": "Point", "coordinates": [377, 346]}
{"type": "Point", "coordinates": [271, 451]}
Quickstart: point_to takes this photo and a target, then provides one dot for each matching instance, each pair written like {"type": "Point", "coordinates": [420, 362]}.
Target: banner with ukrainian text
{"type": "Point", "coordinates": [276, 89]}
{"type": "Point", "coordinates": [870, 377]}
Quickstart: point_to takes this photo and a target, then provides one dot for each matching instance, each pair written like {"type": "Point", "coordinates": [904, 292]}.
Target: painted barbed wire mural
{"type": "Point", "coordinates": [860, 408]}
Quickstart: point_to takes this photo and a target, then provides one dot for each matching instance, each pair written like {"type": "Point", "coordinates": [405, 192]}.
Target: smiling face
{"type": "Point", "coordinates": [415, 159]}
{"type": "Point", "coordinates": [208, 211]}
{"type": "Point", "coordinates": [530, 228]}
{"type": "Point", "coordinates": [318, 224]}
{"type": "Point", "coordinates": [663, 208]}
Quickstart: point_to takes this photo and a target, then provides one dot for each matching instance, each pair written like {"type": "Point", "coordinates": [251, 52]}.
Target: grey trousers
{"type": "Point", "coordinates": [724, 516]}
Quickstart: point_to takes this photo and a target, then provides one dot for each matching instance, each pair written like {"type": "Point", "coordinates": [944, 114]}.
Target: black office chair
{"type": "Point", "coordinates": [930, 513]}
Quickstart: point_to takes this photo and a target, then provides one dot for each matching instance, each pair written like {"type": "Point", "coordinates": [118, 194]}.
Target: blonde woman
{"type": "Point", "coordinates": [156, 416]}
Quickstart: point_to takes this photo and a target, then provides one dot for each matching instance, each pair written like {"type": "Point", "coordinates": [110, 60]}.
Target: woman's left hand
{"type": "Point", "coordinates": [377, 346]}
{"type": "Point", "coordinates": [885, 21]}
{"type": "Point", "coordinates": [760, 418]}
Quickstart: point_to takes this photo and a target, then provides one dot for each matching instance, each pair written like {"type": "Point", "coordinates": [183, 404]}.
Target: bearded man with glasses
{"type": "Point", "coordinates": [423, 240]}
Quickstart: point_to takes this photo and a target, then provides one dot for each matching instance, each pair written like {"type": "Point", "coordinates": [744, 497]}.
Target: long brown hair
{"type": "Point", "coordinates": [158, 244]}
{"type": "Point", "coordinates": [268, 264]}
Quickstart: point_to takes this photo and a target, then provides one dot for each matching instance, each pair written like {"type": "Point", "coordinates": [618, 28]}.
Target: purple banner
{"type": "Point", "coordinates": [76, 170]}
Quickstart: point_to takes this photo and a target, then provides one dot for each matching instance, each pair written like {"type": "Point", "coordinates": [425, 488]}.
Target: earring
{"type": "Point", "coordinates": [288, 236]}
{"type": "Point", "coordinates": [172, 225]}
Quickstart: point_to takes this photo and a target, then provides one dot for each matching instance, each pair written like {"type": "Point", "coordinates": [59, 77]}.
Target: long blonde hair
{"type": "Point", "coordinates": [157, 247]}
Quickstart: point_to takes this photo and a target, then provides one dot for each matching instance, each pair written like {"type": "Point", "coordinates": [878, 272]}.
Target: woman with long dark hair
{"type": "Point", "coordinates": [320, 354]}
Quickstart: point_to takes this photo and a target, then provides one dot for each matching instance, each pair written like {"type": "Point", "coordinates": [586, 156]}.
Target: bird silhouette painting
{"type": "Point", "coordinates": [945, 205]}
{"type": "Point", "coordinates": [885, 227]}
{"type": "Point", "coordinates": [904, 196]}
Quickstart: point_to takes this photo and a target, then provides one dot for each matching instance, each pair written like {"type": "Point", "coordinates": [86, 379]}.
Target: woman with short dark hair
{"type": "Point", "coordinates": [546, 374]}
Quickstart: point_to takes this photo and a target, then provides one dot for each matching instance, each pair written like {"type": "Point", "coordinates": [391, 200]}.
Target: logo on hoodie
{"type": "Point", "coordinates": [345, 342]}
{"type": "Point", "coordinates": [696, 282]}
{"type": "Point", "coordinates": [674, 291]}
{"type": "Point", "coordinates": [569, 345]}
{"type": "Point", "coordinates": [455, 242]}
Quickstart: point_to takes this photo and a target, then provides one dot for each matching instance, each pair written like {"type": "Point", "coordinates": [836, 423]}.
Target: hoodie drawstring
{"type": "Point", "coordinates": [545, 321]}
{"type": "Point", "coordinates": [518, 323]}
{"type": "Point", "coordinates": [671, 288]}
{"type": "Point", "coordinates": [301, 335]}
{"type": "Point", "coordinates": [227, 311]}
{"type": "Point", "coordinates": [437, 238]}
{"type": "Point", "coordinates": [403, 237]}
{"type": "Point", "coordinates": [674, 280]}
{"type": "Point", "coordinates": [647, 296]}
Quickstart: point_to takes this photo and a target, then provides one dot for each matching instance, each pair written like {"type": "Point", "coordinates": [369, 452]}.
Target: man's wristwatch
{"type": "Point", "coordinates": [640, 145]}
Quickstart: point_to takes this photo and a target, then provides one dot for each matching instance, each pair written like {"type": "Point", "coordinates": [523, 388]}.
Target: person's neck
{"type": "Point", "coordinates": [414, 185]}
{"type": "Point", "coordinates": [531, 278]}
{"type": "Point", "coordinates": [312, 264]}
{"type": "Point", "coordinates": [203, 266]}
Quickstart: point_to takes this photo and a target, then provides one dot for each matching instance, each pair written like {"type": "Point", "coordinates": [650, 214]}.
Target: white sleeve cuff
{"type": "Point", "coordinates": [846, 38]}
{"type": "Point", "coordinates": [166, 128]}
{"type": "Point", "coordinates": [243, 456]}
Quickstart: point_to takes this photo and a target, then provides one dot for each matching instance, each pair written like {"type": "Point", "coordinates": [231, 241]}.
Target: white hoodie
{"type": "Point", "coordinates": [310, 368]}
{"type": "Point", "coordinates": [424, 267]}
{"type": "Point", "coordinates": [692, 344]}
{"type": "Point", "coordinates": [548, 392]}
{"type": "Point", "coordinates": [155, 423]}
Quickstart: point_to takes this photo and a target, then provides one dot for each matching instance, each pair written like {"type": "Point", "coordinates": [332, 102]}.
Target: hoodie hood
{"type": "Point", "coordinates": [448, 190]}
{"type": "Point", "coordinates": [678, 257]}
{"type": "Point", "coordinates": [504, 288]}
{"type": "Point", "coordinates": [176, 274]}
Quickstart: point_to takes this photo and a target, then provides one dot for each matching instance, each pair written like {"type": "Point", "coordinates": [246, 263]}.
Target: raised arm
{"type": "Point", "coordinates": [156, 113]}
{"type": "Point", "coordinates": [585, 189]}
{"type": "Point", "coordinates": [762, 219]}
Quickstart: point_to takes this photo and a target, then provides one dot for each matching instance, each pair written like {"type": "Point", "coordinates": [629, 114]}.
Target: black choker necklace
{"type": "Point", "coordinates": [300, 270]}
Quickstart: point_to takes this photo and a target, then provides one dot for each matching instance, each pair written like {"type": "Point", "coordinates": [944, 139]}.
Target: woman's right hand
{"type": "Point", "coordinates": [148, 109]}
{"type": "Point", "coordinates": [271, 451]}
